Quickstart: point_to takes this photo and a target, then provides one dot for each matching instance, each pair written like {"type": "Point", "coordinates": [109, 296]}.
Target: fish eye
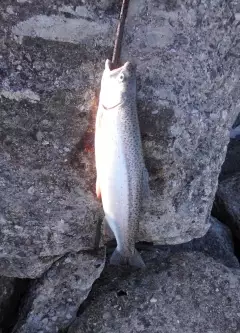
{"type": "Point", "coordinates": [121, 77]}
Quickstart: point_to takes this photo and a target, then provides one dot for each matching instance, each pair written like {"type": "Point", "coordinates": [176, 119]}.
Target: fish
{"type": "Point", "coordinates": [122, 180]}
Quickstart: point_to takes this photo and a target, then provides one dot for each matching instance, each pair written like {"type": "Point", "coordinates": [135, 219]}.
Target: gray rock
{"type": "Point", "coordinates": [188, 93]}
{"type": "Point", "coordinates": [226, 205]}
{"type": "Point", "coordinates": [235, 133]}
{"type": "Point", "coordinates": [53, 300]}
{"type": "Point", "coordinates": [217, 243]}
{"type": "Point", "coordinates": [237, 121]}
{"type": "Point", "coordinates": [7, 286]}
{"type": "Point", "coordinates": [231, 163]}
{"type": "Point", "coordinates": [184, 293]}
{"type": "Point", "coordinates": [47, 206]}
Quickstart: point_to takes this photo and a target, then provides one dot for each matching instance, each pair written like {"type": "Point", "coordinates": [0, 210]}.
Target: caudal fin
{"type": "Point", "coordinates": [134, 260]}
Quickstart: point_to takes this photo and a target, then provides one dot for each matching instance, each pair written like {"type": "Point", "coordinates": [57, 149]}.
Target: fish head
{"type": "Point", "coordinates": [117, 85]}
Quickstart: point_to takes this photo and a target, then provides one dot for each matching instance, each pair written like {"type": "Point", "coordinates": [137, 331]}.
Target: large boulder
{"type": "Point", "coordinates": [188, 92]}
{"type": "Point", "coordinates": [237, 121]}
{"type": "Point", "coordinates": [217, 243]}
{"type": "Point", "coordinates": [52, 301]}
{"type": "Point", "coordinates": [184, 293]}
{"type": "Point", "coordinates": [51, 64]}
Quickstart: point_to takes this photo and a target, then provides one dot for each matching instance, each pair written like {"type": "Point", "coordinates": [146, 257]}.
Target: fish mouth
{"type": "Point", "coordinates": [111, 107]}
{"type": "Point", "coordinates": [108, 66]}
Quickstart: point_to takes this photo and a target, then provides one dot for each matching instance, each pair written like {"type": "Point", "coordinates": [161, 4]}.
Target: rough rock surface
{"type": "Point", "coordinates": [183, 293]}
{"type": "Point", "coordinates": [217, 243]}
{"type": "Point", "coordinates": [226, 205]}
{"type": "Point", "coordinates": [237, 121]}
{"type": "Point", "coordinates": [53, 300]}
{"type": "Point", "coordinates": [47, 207]}
{"type": "Point", "coordinates": [52, 57]}
{"type": "Point", "coordinates": [188, 96]}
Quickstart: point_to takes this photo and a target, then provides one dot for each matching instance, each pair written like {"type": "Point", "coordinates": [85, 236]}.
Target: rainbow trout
{"type": "Point", "coordinates": [122, 179]}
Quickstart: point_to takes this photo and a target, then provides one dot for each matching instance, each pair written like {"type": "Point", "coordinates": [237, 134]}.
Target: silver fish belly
{"type": "Point", "coordinates": [121, 172]}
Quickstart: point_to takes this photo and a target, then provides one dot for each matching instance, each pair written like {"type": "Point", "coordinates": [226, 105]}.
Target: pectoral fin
{"type": "Point", "coordinates": [98, 190]}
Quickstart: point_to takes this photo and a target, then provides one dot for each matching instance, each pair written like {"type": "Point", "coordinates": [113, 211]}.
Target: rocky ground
{"type": "Point", "coordinates": [52, 54]}
{"type": "Point", "coordinates": [184, 292]}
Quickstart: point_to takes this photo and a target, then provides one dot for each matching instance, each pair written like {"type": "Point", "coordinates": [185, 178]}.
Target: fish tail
{"type": "Point", "coordinates": [134, 260]}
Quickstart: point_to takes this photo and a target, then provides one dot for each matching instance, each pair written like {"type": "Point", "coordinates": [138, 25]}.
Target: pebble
{"type": "Point", "coordinates": [9, 10]}
{"type": "Point", "coordinates": [106, 316]}
{"type": "Point", "coordinates": [39, 135]}
{"type": "Point", "coordinates": [153, 300]}
{"type": "Point", "coordinates": [27, 55]}
{"type": "Point", "coordinates": [45, 122]}
{"type": "Point", "coordinates": [37, 65]}
{"type": "Point", "coordinates": [31, 190]}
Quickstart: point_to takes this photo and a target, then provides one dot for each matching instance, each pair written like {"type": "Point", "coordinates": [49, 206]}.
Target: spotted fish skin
{"type": "Point", "coordinates": [121, 174]}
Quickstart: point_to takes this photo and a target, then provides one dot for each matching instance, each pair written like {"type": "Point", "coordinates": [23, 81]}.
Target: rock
{"type": "Point", "coordinates": [7, 286]}
{"type": "Point", "coordinates": [47, 201]}
{"type": "Point", "coordinates": [217, 243]}
{"type": "Point", "coordinates": [187, 92]}
{"type": "Point", "coordinates": [231, 164]}
{"type": "Point", "coordinates": [226, 206]}
{"type": "Point", "coordinates": [183, 100]}
{"type": "Point", "coordinates": [237, 121]}
{"type": "Point", "coordinates": [53, 300]}
{"type": "Point", "coordinates": [185, 293]}
{"type": "Point", "coordinates": [235, 133]}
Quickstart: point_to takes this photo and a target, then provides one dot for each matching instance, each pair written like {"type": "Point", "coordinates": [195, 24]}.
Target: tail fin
{"type": "Point", "coordinates": [134, 260]}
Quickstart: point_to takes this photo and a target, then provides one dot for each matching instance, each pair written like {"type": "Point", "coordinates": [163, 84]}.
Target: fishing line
{"type": "Point", "coordinates": [119, 35]}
